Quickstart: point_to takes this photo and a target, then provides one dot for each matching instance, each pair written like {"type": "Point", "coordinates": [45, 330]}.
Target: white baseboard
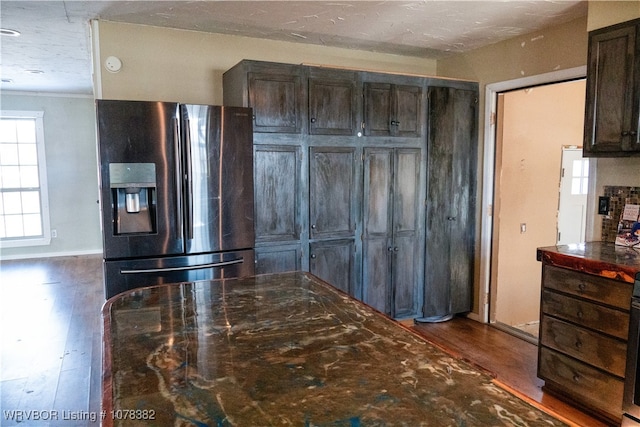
{"type": "Point", "coordinates": [50, 255]}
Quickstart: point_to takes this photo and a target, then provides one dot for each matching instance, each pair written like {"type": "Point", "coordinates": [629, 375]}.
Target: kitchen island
{"type": "Point", "coordinates": [283, 349]}
{"type": "Point", "coordinates": [584, 323]}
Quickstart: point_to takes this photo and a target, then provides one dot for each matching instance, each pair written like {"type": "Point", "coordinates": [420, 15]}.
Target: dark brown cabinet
{"type": "Point", "coordinates": [583, 338]}
{"type": "Point", "coordinates": [390, 235]}
{"type": "Point", "coordinates": [332, 192]}
{"type": "Point", "coordinates": [392, 110]}
{"type": "Point", "coordinates": [612, 113]}
{"type": "Point", "coordinates": [334, 262]}
{"type": "Point", "coordinates": [278, 259]}
{"type": "Point", "coordinates": [274, 91]}
{"type": "Point", "coordinates": [332, 102]}
{"type": "Point", "coordinates": [450, 210]}
{"type": "Point", "coordinates": [341, 171]}
{"type": "Point", "coordinates": [277, 176]}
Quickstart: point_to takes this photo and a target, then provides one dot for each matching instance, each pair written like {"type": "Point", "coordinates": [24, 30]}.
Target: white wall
{"type": "Point", "coordinates": [71, 160]}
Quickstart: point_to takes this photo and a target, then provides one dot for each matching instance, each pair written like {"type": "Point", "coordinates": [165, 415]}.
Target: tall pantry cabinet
{"type": "Point", "coordinates": [341, 166]}
{"type": "Point", "coordinates": [451, 195]}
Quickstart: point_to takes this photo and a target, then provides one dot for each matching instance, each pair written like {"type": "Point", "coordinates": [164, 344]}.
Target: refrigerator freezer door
{"type": "Point", "coordinates": [136, 137]}
{"type": "Point", "coordinates": [120, 276]}
{"type": "Point", "coordinates": [218, 145]}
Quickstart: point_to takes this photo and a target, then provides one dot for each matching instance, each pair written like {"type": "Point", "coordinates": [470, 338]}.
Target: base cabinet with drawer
{"type": "Point", "coordinates": [582, 349]}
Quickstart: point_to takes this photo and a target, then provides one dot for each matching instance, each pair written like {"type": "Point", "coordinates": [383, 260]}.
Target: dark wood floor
{"type": "Point", "coordinates": [511, 360]}
{"type": "Point", "coordinates": [50, 340]}
{"type": "Point", "coordinates": [50, 337]}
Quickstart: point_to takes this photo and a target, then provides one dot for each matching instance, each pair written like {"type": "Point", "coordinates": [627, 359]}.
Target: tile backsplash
{"type": "Point", "coordinates": [618, 197]}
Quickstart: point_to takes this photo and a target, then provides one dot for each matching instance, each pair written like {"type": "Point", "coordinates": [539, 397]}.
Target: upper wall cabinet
{"type": "Point", "coordinates": [392, 110]}
{"type": "Point", "coordinates": [612, 121]}
{"type": "Point", "coordinates": [274, 91]}
{"type": "Point", "coordinates": [332, 102]}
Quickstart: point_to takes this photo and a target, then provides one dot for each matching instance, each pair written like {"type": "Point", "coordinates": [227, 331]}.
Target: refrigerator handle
{"type": "Point", "coordinates": [184, 268]}
{"type": "Point", "coordinates": [178, 176]}
{"type": "Point", "coordinates": [189, 187]}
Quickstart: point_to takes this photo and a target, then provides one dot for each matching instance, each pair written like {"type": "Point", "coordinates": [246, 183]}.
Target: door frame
{"type": "Point", "coordinates": [488, 173]}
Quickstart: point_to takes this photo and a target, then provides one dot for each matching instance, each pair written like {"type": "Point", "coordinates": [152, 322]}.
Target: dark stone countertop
{"type": "Point", "coordinates": [598, 258]}
{"type": "Point", "coordinates": [284, 349]}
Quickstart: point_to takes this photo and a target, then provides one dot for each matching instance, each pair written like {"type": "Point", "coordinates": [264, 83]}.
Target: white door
{"type": "Point", "coordinates": [572, 207]}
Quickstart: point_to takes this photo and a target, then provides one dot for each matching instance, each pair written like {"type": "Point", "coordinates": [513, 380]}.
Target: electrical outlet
{"type": "Point", "coordinates": [54, 233]}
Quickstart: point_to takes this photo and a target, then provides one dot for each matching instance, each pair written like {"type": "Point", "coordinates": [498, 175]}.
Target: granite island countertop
{"type": "Point", "coordinates": [284, 349]}
{"type": "Point", "coordinates": [598, 258]}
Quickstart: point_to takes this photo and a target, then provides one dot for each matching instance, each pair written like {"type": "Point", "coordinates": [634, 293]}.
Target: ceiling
{"type": "Point", "coordinates": [53, 52]}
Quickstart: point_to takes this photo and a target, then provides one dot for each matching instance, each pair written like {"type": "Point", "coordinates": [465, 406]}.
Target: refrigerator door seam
{"type": "Point", "coordinates": [178, 176]}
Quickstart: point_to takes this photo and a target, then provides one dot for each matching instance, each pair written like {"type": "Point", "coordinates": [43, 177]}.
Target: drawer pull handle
{"type": "Point", "coordinates": [578, 344]}
{"type": "Point", "coordinates": [576, 378]}
{"type": "Point", "coordinates": [579, 314]}
{"type": "Point", "coordinates": [582, 287]}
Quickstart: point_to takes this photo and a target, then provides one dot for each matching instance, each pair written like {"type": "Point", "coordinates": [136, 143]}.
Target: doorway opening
{"type": "Point", "coordinates": [533, 127]}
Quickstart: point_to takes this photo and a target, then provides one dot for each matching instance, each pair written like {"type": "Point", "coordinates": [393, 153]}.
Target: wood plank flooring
{"type": "Point", "coordinates": [50, 344]}
{"type": "Point", "coordinates": [50, 339]}
{"type": "Point", "coordinates": [512, 360]}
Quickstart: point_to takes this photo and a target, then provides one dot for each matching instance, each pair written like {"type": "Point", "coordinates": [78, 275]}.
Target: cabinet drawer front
{"type": "Point", "coordinates": [584, 313]}
{"type": "Point", "coordinates": [581, 381]}
{"type": "Point", "coordinates": [606, 291]}
{"type": "Point", "coordinates": [590, 347]}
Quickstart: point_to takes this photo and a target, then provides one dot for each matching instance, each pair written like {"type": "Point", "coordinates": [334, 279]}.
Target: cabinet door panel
{"type": "Point", "coordinates": [440, 154]}
{"type": "Point", "coordinates": [463, 190]}
{"type": "Point", "coordinates": [377, 192]}
{"type": "Point", "coordinates": [450, 201]}
{"type": "Point", "coordinates": [333, 261]}
{"type": "Point", "coordinates": [405, 190]}
{"type": "Point", "coordinates": [407, 114]}
{"type": "Point", "coordinates": [404, 273]}
{"type": "Point", "coordinates": [377, 109]}
{"type": "Point", "coordinates": [277, 192]}
{"type": "Point", "coordinates": [610, 93]}
{"type": "Point", "coordinates": [378, 169]}
{"type": "Point", "coordinates": [278, 259]}
{"type": "Point", "coordinates": [275, 100]}
{"type": "Point", "coordinates": [332, 192]}
{"type": "Point", "coordinates": [331, 107]}
{"type": "Point", "coordinates": [376, 273]}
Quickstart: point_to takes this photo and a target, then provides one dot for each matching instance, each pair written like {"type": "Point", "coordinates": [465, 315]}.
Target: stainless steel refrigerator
{"type": "Point", "coordinates": [176, 192]}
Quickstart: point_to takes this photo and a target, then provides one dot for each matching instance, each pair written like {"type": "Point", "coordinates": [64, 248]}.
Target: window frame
{"type": "Point", "coordinates": [45, 238]}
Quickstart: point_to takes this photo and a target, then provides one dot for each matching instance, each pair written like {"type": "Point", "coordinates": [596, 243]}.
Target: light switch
{"type": "Point", "coordinates": [523, 228]}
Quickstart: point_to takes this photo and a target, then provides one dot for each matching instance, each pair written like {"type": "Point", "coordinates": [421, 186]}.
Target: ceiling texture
{"type": "Point", "coordinates": [53, 51]}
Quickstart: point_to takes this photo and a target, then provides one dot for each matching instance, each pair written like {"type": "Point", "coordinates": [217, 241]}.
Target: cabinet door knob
{"type": "Point", "coordinates": [313, 120]}
{"type": "Point", "coordinates": [393, 123]}
{"type": "Point", "coordinates": [451, 218]}
{"type": "Point", "coordinates": [582, 287]}
{"type": "Point", "coordinates": [578, 344]}
{"type": "Point", "coordinates": [390, 249]}
{"type": "Point", "coordinates": [313, 226]}
{"type": "Point", "coordinates": [313, 256]}
{"type": "Point", "coordinates": [395, 249]}
{"type": "Point", "coordinates": [625, 133]}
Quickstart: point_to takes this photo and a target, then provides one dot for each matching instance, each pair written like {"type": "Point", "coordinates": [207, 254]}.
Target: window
{"type": "Point", "coordinates": [24, 213]}
{"type": "Point", "coordinates": [580, 177]}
